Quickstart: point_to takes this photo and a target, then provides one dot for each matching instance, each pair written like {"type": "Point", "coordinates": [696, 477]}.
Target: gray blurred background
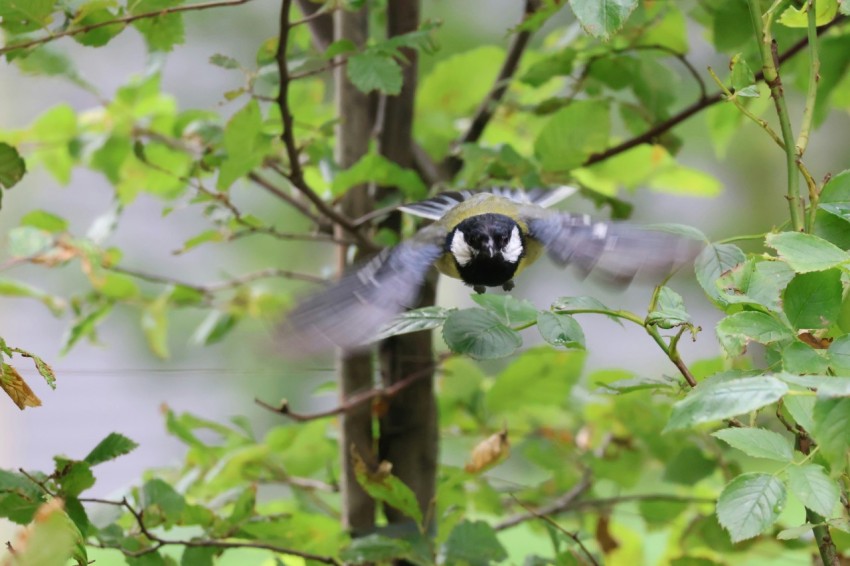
{"type": "Point", "coordinates": [119, 386]}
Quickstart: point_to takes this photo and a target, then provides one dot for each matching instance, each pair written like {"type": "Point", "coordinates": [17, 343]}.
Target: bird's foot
{"type": "Point", "coordinates": [508, 285]}
{"type": "Point", "coordinates": [480, 289]}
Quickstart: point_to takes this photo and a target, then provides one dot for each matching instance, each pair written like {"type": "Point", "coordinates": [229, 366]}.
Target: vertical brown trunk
{"type": "Point", "coordinates": [409, 427]}
{"type": "Point", "coordinates": [356, 371]}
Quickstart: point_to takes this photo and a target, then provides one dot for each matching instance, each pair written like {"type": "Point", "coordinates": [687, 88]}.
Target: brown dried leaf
{"type": "Point", "coordinates": [606, 541]}
{"type": "Point", "coordinates": [814, 341]}
{"type": "Point", "coordinates": [15, 387]}
{"type": "Point", "coordinates": [489, 452]}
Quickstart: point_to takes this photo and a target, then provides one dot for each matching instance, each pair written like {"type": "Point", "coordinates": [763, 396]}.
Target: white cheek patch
{"type": "Point", "coordinates": [462, 252]}
{"type": "Point", "coordinates": [513, 249]}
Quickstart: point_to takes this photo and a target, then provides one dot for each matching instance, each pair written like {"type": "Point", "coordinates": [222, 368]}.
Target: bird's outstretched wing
{"type": "Point", "coordinates": [349, 312]}
{"type": "Point", "coordinates": [616, 252]}
{"type": "Point", "coordinates": [436, 207]}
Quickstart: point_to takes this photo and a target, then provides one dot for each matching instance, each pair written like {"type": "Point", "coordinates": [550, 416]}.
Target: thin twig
{"type": "Point", "coordinates": [554, 524]}
{"type": "Point", "coordinates": [212, 288]}
{"type": "Point", "coordinates": [294, 203]}
{"type": "Point", "coordinates": [814, 78]}
{"type": "Point", "coordinates": [488, 106]}
{"type": "Point", "coordinates": [696, 107]}
{"type": "Point", "coordinates": [124, 20]}
{"type": "Point", "coordinates": [355, 400]}
{"type": "Point", "coordinates": [566, 501]}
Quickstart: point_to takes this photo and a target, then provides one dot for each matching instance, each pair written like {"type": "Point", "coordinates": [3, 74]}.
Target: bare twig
{"type": "Point", "coordinates": [159, 542]}
{"type": "Point", "coordinates": [294, 203]}
{"type": "Point", "coordinates": [563, 503]}
{"type": "Point", "coordinates": [552, 522]}
{"type": "Point", "coordinates": [124, 20]}
{"type": "Point", "coordinates": [355, 400]}
{"type": "Point", "coordinates": [488, 106]}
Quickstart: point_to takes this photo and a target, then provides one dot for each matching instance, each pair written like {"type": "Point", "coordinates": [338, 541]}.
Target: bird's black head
{"type": "Point", "coordinates": [486, 249]}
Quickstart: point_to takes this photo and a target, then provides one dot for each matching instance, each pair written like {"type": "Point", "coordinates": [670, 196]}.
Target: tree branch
{"type": "Point", "coordinates": [573, 536]}
{"type": "Point", "coordinates": [124, 20]}
{"type": "Point", "coordinates": [566, 501]}
{"type": "Point", "coordinates": [159, 542]}
{"type": "Point", "coordinates": [488, 106]}
{"type": "Point", "coordinates": [694, 108]}
{"type": "Point", "coordinates": [355, 401]}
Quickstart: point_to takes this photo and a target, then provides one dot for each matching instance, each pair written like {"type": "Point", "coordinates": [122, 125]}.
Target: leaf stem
{"type": "Point", "coordinates": [814, 78]}
{"type": "Point", "coordinates": [770, 68]}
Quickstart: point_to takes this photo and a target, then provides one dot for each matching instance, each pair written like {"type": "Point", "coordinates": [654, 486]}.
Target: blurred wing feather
{"type": "Point", "coordinates": [349, 313]}
{"type": "Point", "coordinates": [613, 251]}
{"type": "Point", "coordinates": [437, 206]}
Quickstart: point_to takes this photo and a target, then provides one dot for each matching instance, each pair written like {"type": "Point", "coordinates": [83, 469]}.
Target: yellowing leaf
{"type": "Point", "coordinates": [15, 387]}
{"type": "Point", "coordinates": [489, 452]}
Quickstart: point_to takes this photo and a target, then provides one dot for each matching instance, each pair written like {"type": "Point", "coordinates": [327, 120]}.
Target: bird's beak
{"type": "Point", "coordinates": [490, 249]}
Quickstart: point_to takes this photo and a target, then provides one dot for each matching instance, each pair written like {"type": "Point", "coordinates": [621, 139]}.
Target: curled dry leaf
{"type": "Point", "coordinates": [489, 452]}
{"type": "Point", "coordinates": [15, 387]}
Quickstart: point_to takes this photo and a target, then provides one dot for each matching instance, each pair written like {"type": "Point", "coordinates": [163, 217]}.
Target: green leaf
{"type": "Point", "coordinates": [44, 220]}
{"type": "Point", "coordinates": [835, 196]}
{"type": "Point", "coordinates": [85, 326]}
{"type": "Point", "coordinates": [689, 466]}
{"type": "Point", "coordinates": [162, 32]}
{"type": "Point", "coordinates": [376, 548]}
{"type": "Point", "coordinates": [158, 495]}
{"type": "Point", "coordinates": [12, 166]}
{"type": "Point", "coordinates": [155, 325]}
{"type": "Point", "coordinates": [758, 443]}
{"type": "Point", "coordinates": [109, 448]}
{"type": "Point", "coordinates": [750, 504]}
{"type": "Point", "coordinates": [559, 64]}
{"type": "Point", "coordinates": [711, 401]}
{"type": "Point", "coordinates": [370, 71]}
{"type": "Point", "coordinates": [416, 320]}
{"type": "Point", "coordinates": [814, 488]}
{"type": "Point", "coordinates": [601, 18]}
{"type": "Point", "coordinates": [214, 328]}
{"type": "Point", "coordinates": [813, 300]}
{"type": "Point", "coordinates": [474, 543]}
{"type": "Point", "coordinates": [669, 310]}
{"type": "Point", "coordinates": [805, 252]}
{"type": "Point", "coordinates": [480, 334]}
{"type": "Point", "coordinates": [714, 261]}
{"type": "Point", "coordinates": [743, 78]}
{"type": "Point", "coordinates": [116, 286]}
{"type": "Point", "coordinates": [825, 12]}
{"type": "Point", "coordinates": [199, 556]}
{"type": "Point", "coordinates": [735, 331]}
{"type": "Point", "coordinates": [12, 288]}
{"type": "Point", "coordinates": [383, 486]}
{"type": "Point", "coordinates": [825, 385]}
{"type": "Point", "coordinates": [26, 241]}
{"type": "Point", "coordinates": [560, 330]}
{"type": "Point", "coordinates": [511, 311]}
{"type": "Point", "coordinates": [73, 476]}
{"type": "Point", "coordinates": [540, 377]}
{"type": "Point", "coordinates": [245, 143]}
{"type": "Point", "coordinates": [224, 61]}
{"type": "Point", "coordinates": [374, 168]}
{"type": "Point", "coordinates": [572, 135]}
{"type": "Point", "coordinates": [757, 283]}
{"type": "Point", "coordinates": [20, 16]}
{"type": "Point", "coordinates": [832, 428]}
{"type": "Point", "coordinates": [52, 540]}
{"type": "Point", "coordinates": [96, 14]}
{"type": "Point", "coordinates": [798, 357]}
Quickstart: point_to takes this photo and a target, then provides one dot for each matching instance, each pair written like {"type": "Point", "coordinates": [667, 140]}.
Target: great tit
{"type": "Point", "coordinates": [484, 238]}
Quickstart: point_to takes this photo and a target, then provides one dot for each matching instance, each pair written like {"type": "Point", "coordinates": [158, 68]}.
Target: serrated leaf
{"type": "Point", "coordinates": [44, 220]}
{"type": "Point", "coordinates": [805, 252]}
{"type": "Point", "coordinates": [51, 540]}
{"type": "Point", "coordinates": [161, 32]}
{"type": "Point", "coordinates": [724, 399]}
{"type": "Point", "coordinates": [375, 168]}
{"type": "Point", "coordinates": [376, 548]}
{"type": "Point", "coordinates": [245, 143]}
{"type": "Point", "coordinates": [12, 166]}
{"type": "Point", "coordinates": [480, 334]}
{"type": "Point", "coordinates": [19, 16]}
{"type": "Point", "coordinates": [560, 329]}
{"type": "Point", "coordinates": [832, 428]}
{"type": "Point", "coordinates": [827, 386]}
{"type": "Point", "coordinates": [750, 504]}
{"type": "Point", "coordinates": [714, 261]}
{"type": "Point", "coordinates": [511, 311]}
{"type": "Point", "coordinates": [73, 476]}
{"type": "Point", "coordinates": [224, 61]}
{"type": "Point", "coordinates": [383, 486]}
{"type": "Point", "coordinates": [669, 310]}
{"type": "Point", "coordinates": [825, 12]}
{"type": "Point", "coordinates": [572, 134]}
{"type": "Point", "coordinates": [758, 443]}
{"type": "Point", "coordinates": [473, 543]}
{"type": "Point", "coordinates": [798, 357]}
{"type": "Point", "coordinates": [814, 488]}
{"type": "Point", "coordinates": [214, 328]}
{"type": "Point", "coordinates": [16, 388]}
{"type": "Point", "coordinates": [416, 320]}
{"type": "Point", "coordinates": [372, 71]}
{"type": "Point", "coordinates": [756, 283]}
{"type": "Point", "coordinates": [12, 288]}
{"type": "Point", "coordinates": [735, 331]}
{"type": "Point", "coordinates": [159, 495]}
{"type": "Point", "coordinates": [84, 327]}
{"type": "Point", "coordinates": [601, 18]}
{"type": "Point", "coordinates": [111, 447]}
{"type": "Point", "coordinates": [813, 300]}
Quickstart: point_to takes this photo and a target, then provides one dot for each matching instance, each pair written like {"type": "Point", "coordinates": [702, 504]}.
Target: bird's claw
{"type": "Point", "coordinates": [508, 285]}
{"type": "Point", "coordinates": [480, 289]}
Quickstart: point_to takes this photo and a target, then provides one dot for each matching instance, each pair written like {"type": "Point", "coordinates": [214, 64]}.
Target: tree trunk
{"type": "Point", "coordinates": [409, 427]}
{"type": "Point", "coordinates": [355, 371]}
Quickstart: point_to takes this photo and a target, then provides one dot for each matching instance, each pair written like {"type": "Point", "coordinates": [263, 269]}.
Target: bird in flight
{"type": "Point", "coordinates": [484, 238]}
